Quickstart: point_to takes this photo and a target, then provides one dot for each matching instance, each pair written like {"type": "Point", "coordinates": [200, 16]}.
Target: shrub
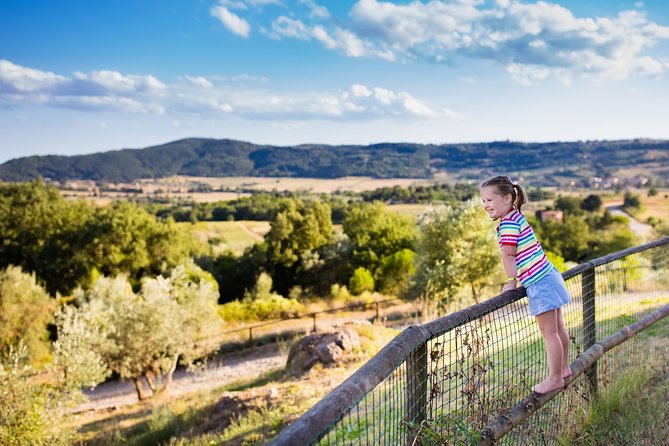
{"type": "Point", "coordinates": [360, 281]}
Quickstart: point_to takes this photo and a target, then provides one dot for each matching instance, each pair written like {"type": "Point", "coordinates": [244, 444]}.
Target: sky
{"type": "Point", "coordinates": [89, 76]}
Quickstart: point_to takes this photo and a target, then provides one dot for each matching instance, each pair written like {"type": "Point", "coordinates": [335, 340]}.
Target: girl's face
{"type": "Point", "coordinates": [496, 205]}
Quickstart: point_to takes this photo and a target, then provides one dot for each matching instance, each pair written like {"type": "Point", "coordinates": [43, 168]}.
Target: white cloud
{"type": "Point", "coordinates": [21, 79]}
{"type": "Point", "coordinates": [113, 81]}
{"type": "Point", "coordinates": [316, 11]}
{"type": "Point", "coordinates": [338, 39]}
{"type": "Point", "coordinates": [533, 41]}
{"type": "Point", "coordinates": [199, 81]}
{"type": "Point", "coordinates": [231, 21]}
{"type": "Point", "coordinates": [453, 115]}
{"type": "Point", "coordinates": [193, 96]}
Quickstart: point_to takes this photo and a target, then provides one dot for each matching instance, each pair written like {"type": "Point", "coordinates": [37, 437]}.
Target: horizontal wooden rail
{"type": "Point", "coordinates": [515, 416]}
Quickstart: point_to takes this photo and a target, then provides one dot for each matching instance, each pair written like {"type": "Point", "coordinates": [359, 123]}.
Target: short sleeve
{"type": "Point", "coordinates": [509, 231]}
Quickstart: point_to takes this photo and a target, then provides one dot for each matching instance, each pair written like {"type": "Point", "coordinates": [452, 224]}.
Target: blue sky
{"type": "Point", "coordinates": [89, 76]}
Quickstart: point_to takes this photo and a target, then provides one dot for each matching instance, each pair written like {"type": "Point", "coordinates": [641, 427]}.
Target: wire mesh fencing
{"type": "Point", "coordinates": [444, 381]}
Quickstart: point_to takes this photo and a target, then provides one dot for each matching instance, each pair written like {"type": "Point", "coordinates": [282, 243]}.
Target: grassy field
{"type": "Point", "coordinates": [233, 236]}
{"type": "Point", "coordinates": [634, 409]}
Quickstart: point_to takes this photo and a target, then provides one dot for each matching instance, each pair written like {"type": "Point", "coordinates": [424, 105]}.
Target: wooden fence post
{"type": "Point", "coordinates": [416, 390]}
{"type": "Point", "coordinates": [589, 323]}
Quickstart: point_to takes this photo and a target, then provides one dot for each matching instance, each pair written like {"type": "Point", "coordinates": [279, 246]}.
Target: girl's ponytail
{"type": "Point", "coordinates": [520, 198]}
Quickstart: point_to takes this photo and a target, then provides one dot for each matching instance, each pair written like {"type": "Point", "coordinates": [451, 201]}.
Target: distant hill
{"type": "Point", "coordinates": [225, 157]}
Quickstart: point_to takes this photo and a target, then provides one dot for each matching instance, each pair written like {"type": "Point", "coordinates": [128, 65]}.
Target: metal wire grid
{"type": "Point", "coordinates": [448, 388]}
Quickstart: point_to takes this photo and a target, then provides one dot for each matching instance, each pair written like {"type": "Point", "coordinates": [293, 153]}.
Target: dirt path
{"type": "Point", "coordinates": [643, 230]}
{"type": "Point", "coordinates": [223, 370]}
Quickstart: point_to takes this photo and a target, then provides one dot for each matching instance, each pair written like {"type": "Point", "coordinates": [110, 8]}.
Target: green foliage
{"type": "Point", "coordinates": [260, 303]}
{"type": "Point", "coordinates": [297, 244]}
{"type": "Point", "coordinates": [31, 413]}
{"type": "Point", "coordinates": [652, 192]}
{"type": "Point", "coordinates": [44, 234]}
{"type": "Point", "coordinates": [299, 228]}
{"type": "Point", "coordinates": [216, 158]}
{"type": "Point", "coordinates": [557, 261]}
{"type": "Point", "coordinates": [361, 280]}
{"type": "Point", "coordinates": [538, 194]}
{"type": "Point", "coordinates": [443, 192]}
{"type": "Point", "coordinates": [70, 244]}
{"type": "Point", "coordinates": [392, 275]}
{"type": "Point", "coordinates": [25, 311]}
{"type": "Point", "coordinates": [568, 239]}
{"type": "Point", "coordinates": [631, 200]}
{"type": "Point", "coordinates": [569, 205]}
{"type": "Point", "coordinates": [146, 333]}
{"type": "Point", "coordinates": [591, 203]}
{"type": "Point", "coordinates": [457, 249]}
{"type": "Point", "coordinates": [375, 233]}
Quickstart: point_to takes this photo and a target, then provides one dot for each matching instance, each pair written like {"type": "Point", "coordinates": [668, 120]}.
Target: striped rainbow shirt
{"type": "Point", "coordinates": [531, 262]}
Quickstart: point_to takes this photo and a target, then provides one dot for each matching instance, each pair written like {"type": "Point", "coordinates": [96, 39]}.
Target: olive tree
{"type": "Point", "coordinates": [146, 334]}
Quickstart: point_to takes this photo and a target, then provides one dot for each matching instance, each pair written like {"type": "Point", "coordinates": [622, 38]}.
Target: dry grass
{"type": "Point", "coordinates": [318, 185]}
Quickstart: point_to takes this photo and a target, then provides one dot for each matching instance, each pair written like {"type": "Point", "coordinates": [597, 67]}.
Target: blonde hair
{"type": "Point", "coordinates": [503, 186]}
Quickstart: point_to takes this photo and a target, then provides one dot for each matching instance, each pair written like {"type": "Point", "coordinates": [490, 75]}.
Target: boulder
{"type": "Point", "coordinates": [325, 347]}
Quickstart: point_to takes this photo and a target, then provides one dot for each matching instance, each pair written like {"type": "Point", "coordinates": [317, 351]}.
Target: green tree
{"type": "Point", "coordinates": [43, 234]}
{"type": "Point", "coordinates": [361, 280]}
{"type": "Point", "coordinates": [299, 231]}
{"type": "Point", "coordinates": [25, 312]}
{"type": "Point", "coordinates": [70, 244]}
{"type": "Point", "coordinates": [146, 334]}
{"type": "Point", "coordinates": [392, 275]}
{"type": "Point", "coordinates": [457, 249]}
{"type": "Point", "coordinates": [569, 205]}
{"type": "Point", "coordinates": [125, 239]}
{"type": "Point", "coordinates": [568, 239]}
{"type": "Point", "coordinates": [591, 203]}
{"type": "Point", "coordinates": [631, 200]}
{"type": "Point", "coordinates": [375, 233]}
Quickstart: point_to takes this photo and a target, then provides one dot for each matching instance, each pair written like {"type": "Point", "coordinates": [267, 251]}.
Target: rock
{"type": "Point", "coordinates": [326, 348]}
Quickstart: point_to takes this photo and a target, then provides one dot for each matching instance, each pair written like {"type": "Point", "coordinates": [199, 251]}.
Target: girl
{"type": "Point", "coordinates": [525, 261]}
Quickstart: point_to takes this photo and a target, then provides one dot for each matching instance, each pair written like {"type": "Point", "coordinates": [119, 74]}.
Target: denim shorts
{"type": "Point", "coordinates": [548, 293]}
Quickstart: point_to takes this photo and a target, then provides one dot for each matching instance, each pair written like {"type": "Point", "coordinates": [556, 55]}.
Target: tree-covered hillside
{"type": "Point", "coordinates": [218, 158]}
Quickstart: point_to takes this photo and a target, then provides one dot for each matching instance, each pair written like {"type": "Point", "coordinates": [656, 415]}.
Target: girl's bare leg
{"type": "Point", "coordinates": [564, 338]}
{"type": "Point", "coordinates": [548, 324]}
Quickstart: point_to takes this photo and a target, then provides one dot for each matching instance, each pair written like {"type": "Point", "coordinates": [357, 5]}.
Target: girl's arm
{"type": "Point", "coordinates": [509, 260]}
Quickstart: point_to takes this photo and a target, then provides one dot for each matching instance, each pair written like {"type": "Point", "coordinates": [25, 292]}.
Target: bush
{"type": "Point", "coordinates": [29, 412]}
{"type": "Point", "coordinates": [260, 304]}
{"type": "Point", "coordinates": [360, 281]}
{"type": "Point", "coordinates": [273, 307]}
{"type": "Point", "coordinates": [25, 311]}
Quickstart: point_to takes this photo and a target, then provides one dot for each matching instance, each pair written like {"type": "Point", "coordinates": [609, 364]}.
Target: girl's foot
{"type": "Point", "coordinates": [548, 385]}
{"type": "Point", "coordinates": [566, 372]}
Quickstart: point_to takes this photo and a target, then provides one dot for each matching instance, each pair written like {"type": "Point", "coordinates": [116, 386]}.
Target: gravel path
{"type": "Point", "coordinates": [220, 371]}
